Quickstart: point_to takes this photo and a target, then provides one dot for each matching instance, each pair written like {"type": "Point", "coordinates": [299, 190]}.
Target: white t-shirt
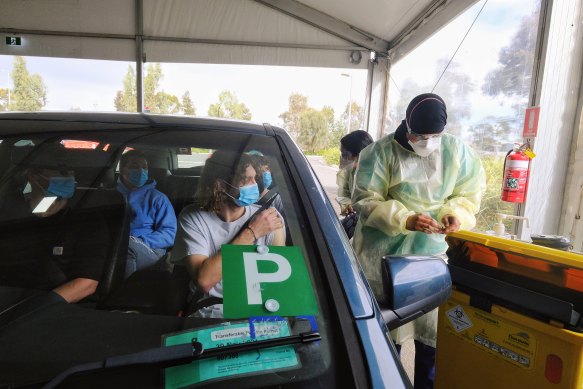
{"type": "Point", "coordinates": [203, 233]}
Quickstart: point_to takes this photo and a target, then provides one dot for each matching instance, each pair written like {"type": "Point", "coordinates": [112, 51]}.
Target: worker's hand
{"type": "Point", "coordinates": [423, 223]}
{"type": "Point", "coordinates": [267, 221]}
{"type": "Point", "coordinates": [347, 210]}
{"type": "Point", "coordinates": [450, 224]}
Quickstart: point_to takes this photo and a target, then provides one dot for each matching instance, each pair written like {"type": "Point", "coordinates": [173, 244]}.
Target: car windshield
{"type": "Point", "coordinates": [77, 199]}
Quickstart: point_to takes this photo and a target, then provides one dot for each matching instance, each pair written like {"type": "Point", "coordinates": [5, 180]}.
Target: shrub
{"type": "Point", "coordinates": [331, 155]}
{"type": "Point", "coordinates": [491, 203]}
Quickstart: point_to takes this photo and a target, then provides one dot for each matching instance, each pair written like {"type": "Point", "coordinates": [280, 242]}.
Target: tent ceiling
{"type": "Point", "coordinates": [276, 32]}
{"type": "Point", "coordinates": [384, 19]}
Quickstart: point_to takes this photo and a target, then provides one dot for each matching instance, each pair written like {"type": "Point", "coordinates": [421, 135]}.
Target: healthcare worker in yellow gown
{"type": "Point", "coordinates": [411, 188]}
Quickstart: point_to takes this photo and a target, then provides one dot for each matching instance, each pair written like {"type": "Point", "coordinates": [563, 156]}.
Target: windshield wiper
{"type": "Point", "coordinates": [180, 354]}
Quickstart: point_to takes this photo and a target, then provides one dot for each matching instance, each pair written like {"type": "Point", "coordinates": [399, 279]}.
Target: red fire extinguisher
{"type": "Point", "coordinates": [515, 178]}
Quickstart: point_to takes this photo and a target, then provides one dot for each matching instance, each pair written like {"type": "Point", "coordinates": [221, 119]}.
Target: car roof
{"type": "Point", "coordinates": [35, 122]}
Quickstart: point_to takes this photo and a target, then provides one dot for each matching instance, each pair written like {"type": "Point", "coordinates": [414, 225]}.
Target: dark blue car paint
{"type": "Point", "coordinates": [415, 278]}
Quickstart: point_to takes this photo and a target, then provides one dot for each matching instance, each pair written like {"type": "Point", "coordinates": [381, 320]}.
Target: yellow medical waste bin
{"type": "Point", "coordinates": [514, 317]}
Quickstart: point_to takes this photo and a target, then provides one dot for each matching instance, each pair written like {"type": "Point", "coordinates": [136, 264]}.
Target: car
{"type": "Point", "coordinates": [324, 329]}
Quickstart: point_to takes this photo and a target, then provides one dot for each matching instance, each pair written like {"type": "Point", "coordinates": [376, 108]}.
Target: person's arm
{"type": "Point", "coordinates": [370, 195]}
{"type": "Point", "coordinates": [208, 271]}
{"type": "Point", "coordinates": [344, 192]}
{"type": "Point", "coordinates": [91, 250]}
{"type": "Point", "coordinates": [77, 289]}
{"type": "Point", "coordinates": [279, 237]}
{"type": "Point", "coordinates": [470, 184]}
{"type": "Point", "coordinates": [164, 225]}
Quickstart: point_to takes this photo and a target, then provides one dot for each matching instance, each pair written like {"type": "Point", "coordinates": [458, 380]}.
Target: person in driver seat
{"type": "Point", "coordinates": [225, 202]}
{"type": "Point", "coordinates": [46, 244]}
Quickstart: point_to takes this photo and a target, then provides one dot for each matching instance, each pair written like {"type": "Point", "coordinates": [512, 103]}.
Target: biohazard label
{"type": "Point", "coordinates": [500, 338]}
{"type": "Point", "coordinates": [458, 319]}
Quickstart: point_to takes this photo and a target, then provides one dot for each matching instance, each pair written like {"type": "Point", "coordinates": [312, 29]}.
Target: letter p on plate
{"type": "Point", "coordinates": [253, 277]}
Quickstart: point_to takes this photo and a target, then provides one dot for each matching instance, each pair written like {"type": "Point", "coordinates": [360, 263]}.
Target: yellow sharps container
{"type": "Point", "coordinates": [514, 319]}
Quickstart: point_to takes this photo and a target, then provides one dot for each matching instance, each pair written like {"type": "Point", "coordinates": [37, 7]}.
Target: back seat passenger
{"type": "Point", "coordinates": [159, 290]}
{"type": "Point", "coordinates": [180, 188]}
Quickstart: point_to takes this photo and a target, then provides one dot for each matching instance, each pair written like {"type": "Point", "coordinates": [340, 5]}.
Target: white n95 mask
{"type": "Point", "coordinates": [425, 147]}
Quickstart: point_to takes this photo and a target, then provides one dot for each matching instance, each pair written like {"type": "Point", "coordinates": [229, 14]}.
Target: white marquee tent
{"type": "Point", "coordinates": [327, 33]}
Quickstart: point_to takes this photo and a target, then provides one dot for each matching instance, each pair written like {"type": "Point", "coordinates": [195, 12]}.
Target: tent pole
{"type": "Point", "coordinates": [139, 55]}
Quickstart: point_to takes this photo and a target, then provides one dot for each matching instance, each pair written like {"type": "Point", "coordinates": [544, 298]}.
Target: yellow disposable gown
{"type": "Point", "coordinates": [393, 183]}
{"type": "Point", "coordinates": [345, 179]}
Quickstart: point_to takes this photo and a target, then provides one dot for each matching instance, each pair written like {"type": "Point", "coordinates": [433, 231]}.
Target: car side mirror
{"type": "Point", "coordinates": [413, 285]}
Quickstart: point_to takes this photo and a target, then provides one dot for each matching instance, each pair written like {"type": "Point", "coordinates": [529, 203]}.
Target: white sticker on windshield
{"type": "Point", "coordinates": [44, 204]}
{"type": "Point", "coordinates": [262, 359]}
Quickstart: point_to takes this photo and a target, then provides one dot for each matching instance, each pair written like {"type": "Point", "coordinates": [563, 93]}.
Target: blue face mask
{"type": "Point", "coordinates": [138, 177]}
{"type": "Point", "coordinates": [248, 194]}
{"type": "Point", "coordinates": [267, 181]}
{"type": "Point", "coordinates": [63, 187]}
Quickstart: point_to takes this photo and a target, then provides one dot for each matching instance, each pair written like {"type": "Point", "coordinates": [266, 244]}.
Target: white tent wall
{"type": "Point", "coordinates": [75, 16]}
{"type": "Point", "coordinates": [73, 47]}
{"type": "Point", "coordinates": [197, 31]}
{"type": "Point", "coordinates": [246, 55]}
{"type": "Point", "coordinates": [571, 222]}
{"type": "Point", "coordinates": [238, 32]}
{"type": "Point", "coordinates": [558, 98]}
{"type": "Point", "coordinates": [70, 29]}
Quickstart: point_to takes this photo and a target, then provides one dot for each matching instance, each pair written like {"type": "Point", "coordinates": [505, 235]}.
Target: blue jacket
{"type": "Point", "coordinates": [153, 218]}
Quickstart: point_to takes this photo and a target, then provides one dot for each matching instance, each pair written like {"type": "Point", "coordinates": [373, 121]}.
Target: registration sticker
{"type": "Point", "coordinates": [269, 359]}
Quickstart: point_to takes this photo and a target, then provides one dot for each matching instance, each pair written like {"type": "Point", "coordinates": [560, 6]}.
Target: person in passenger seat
{"type": "Point", "coordinates": [153, 223]}
{"type": "Point", "coordinates": [264, 179]}
{"type": "Point", "coordinates": [225, 202]}
{"type": "Point", "coordinates": [45, 243]}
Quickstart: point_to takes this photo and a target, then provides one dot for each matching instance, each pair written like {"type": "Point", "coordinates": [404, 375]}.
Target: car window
{"type": "Point", "coordinates": [60, 191]}
{"type": "Point", "coordinates": [192, 157]}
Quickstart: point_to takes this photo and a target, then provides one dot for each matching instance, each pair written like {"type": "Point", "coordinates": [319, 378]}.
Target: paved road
{"type": "Point", "coordinates": [327, 176]}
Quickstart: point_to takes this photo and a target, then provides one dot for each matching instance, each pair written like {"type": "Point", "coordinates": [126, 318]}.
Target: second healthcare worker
{"type": "Point", "coordinates": [411, 188]}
